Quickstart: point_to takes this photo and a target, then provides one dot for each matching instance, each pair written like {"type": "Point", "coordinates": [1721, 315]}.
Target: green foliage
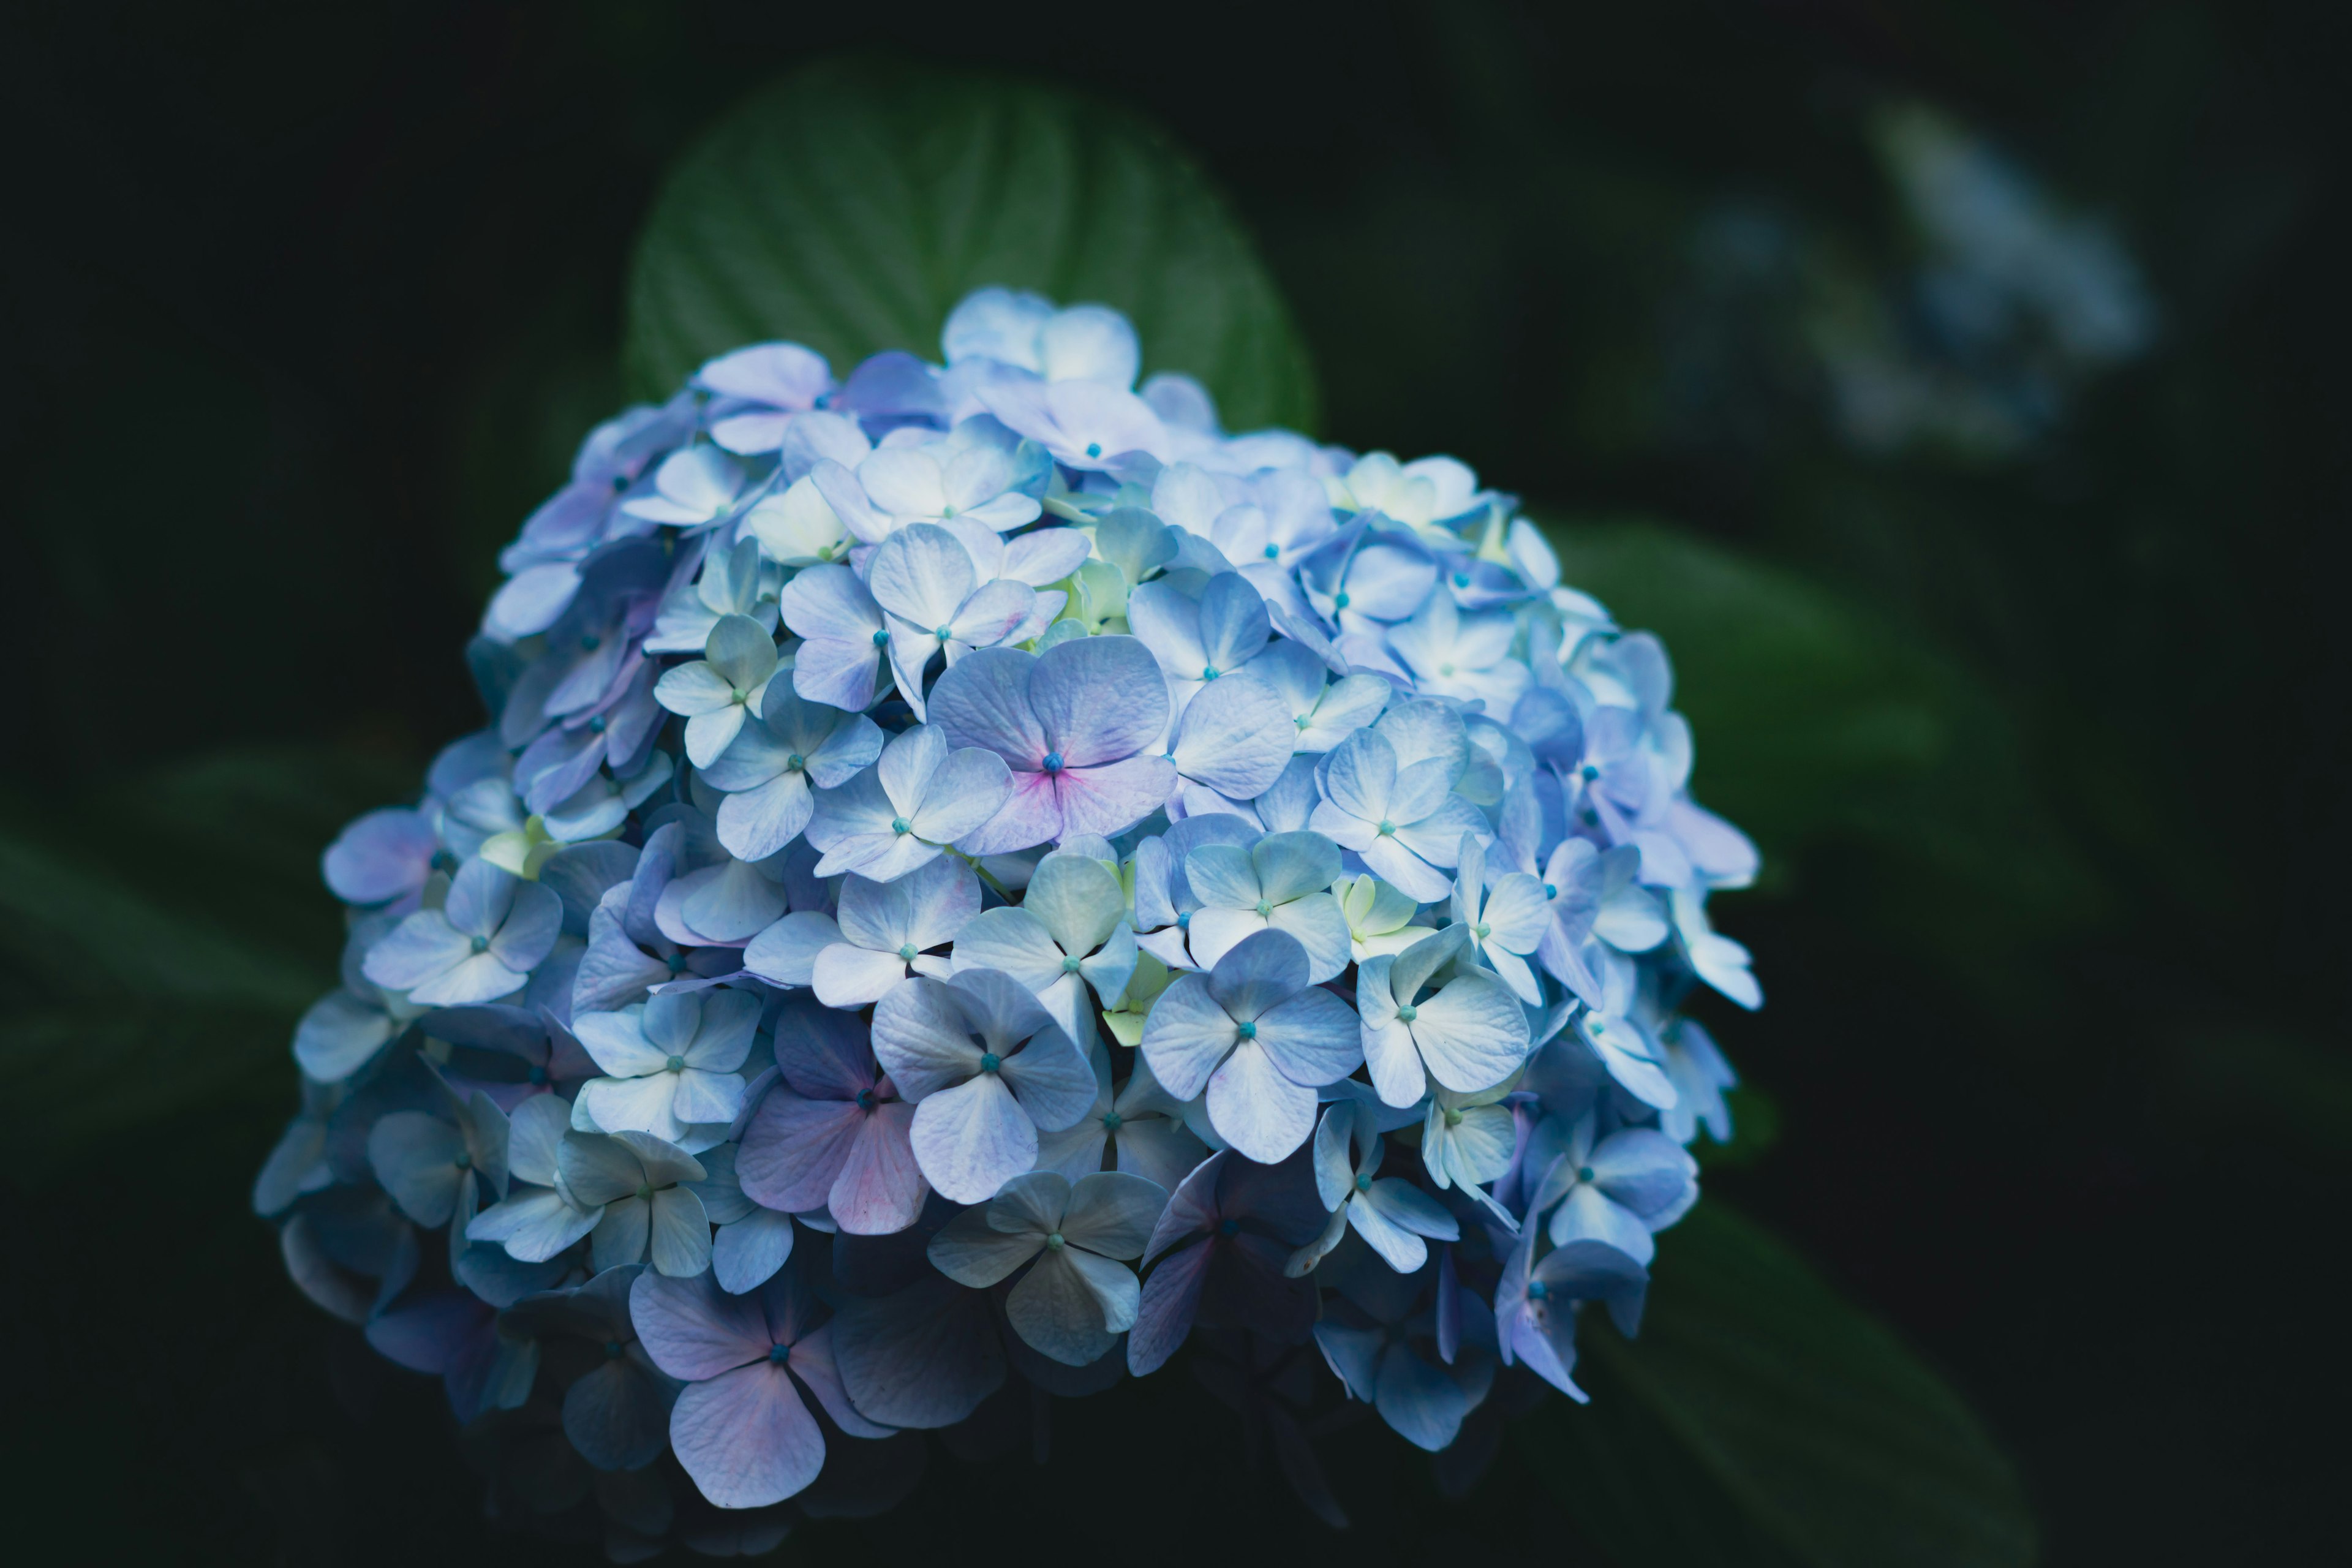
{"type": "Point", "coordinates": [850, 206]}
{"type": "Point", "coordinates": [159, 944]}
{"type": "Point", "coordinates": [1759, 1419]}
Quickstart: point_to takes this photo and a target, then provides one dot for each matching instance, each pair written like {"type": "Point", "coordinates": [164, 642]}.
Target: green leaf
{"type": "Point", "coordinates": [1761, 1419]}
{"type": "Point", "coordinates": [157, 946]}
{"type": "Point", "coordinates": [850, 206]}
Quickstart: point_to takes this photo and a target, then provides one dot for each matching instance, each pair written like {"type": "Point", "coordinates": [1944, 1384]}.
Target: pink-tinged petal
{"type": "Point", "coordinates": [1114, 798]}
{"type": "Point", "coordinates": [1163, 1315]}
{"type": "Point", "coordinates": [969, 1139]}
{"type": "Point", "coordinates": [983, 701]}
{"type": "Point", "coordinates": [746, 1438]}
{"type": "Point", "coordinates": [880, 1189]}
{"type": "Point", "coordinates": [1030, 816]}
{"type": "Point", "coordinates": [1098, 699]}
{"type": "Point", "coordinates": [694, 1329]}
{"type": "Point", "coordinates": [795, 1149]}
{"type": "Point", "coordinates": [1253, 1108]}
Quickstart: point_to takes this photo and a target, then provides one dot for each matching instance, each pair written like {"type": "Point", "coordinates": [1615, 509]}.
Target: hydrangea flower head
{"type": "Point", "coordinates": [1108, 876]}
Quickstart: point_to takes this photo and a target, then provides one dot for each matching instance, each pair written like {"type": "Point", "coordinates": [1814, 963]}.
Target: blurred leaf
{"type": "Point", "coordinates": [1817, 722]}
{"type": "Point", "coordinates": [1761, 1418]}
{"type": "Point", "coordinates": [73, 929]}
{"type": "Point", "coordinates": [851, 204]}
{"type": "Point", "coordinates": [158, 948]}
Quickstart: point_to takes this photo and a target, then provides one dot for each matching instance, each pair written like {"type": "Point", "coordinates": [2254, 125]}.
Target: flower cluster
{"type": "Point", "coordinates": [974, 872]}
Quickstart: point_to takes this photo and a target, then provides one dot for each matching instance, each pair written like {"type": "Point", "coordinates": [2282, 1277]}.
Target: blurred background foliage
{"type": "Point", "coordinates": [1956, 386]}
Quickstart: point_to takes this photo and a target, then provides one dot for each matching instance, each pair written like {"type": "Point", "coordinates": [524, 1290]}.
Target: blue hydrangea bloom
{"type": "Point", "coordinates": [1112, 876]}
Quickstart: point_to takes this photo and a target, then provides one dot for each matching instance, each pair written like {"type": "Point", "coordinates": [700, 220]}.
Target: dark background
{"type": "Point", "coordinates": [306, 305]}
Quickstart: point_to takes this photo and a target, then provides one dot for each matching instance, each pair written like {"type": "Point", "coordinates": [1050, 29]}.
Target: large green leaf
{"type": "Point", "coordinates": [1761, 1419]}
{"type": "Point", "coordinates": [851, 204]}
